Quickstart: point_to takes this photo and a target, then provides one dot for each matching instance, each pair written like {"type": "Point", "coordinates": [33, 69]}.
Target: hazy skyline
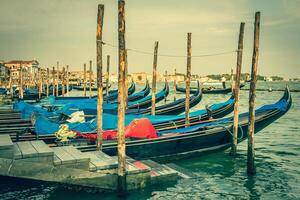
{"type": "Point", "coordinates": [64, 31]}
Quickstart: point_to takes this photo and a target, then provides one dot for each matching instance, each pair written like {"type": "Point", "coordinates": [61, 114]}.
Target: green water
{"type": "Point", "coordinates": [219, 176]}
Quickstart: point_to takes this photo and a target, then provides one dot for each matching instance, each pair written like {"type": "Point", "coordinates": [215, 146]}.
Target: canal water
{"type": "Point", "coordinates": [219, 176]}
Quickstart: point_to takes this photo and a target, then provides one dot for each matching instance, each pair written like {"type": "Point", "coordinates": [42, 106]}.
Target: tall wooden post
{"type": "Point", "coordinates": [84, 80]}
{"type": "Point", "coordinates": [99, 76]}
{"type": "Point", "coordinates": [67, 80]}
{"type": "Point", "coordinates": [107, 74]}
{"type": "Point", "coordinates": [122, 187]}
{"type": "Point", "coordinates": [188, 80]}
{"type": "Point", "coordinates": [126, 79]}
{"type": "Point", "coordinates": [57, 80]}
{"type": "Point", "coordinates": [63, 81]}
{"type": "Point", "coordinates": [47, 82]}
{"type": "Point", "coordinates": [166, 80]}
{"type": "Point", "coordinates": [154, 78]}
{"type": "Point", "coordinates": [175, 82]}
{"type": "Point", "coordinates": [53, 81]}
{"type": "Point", "coordinates": [10, 83]}
{"type": "Point", "coordinates": [236, 90]}
{"type": "Point", "coordinates": [251, 123]}
{"type": "Point", "coordinates": [39, 82]}
{"type": "Point", "coordinates": [232, 80]}
{"type": "Point", "coordinates": [21, 82]}
{"type": "Point", "coordinates": [90, 79]}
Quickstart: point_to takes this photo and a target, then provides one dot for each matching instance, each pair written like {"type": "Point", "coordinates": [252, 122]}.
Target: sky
{"type": "Point", "coordinates": [65, 31]}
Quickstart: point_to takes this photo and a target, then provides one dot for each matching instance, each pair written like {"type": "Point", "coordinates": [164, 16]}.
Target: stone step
{"type": "Point", "coordinates": [6, 147]}
{"type": "Point", "coordinates": [101, 161]}
{"type": "Point", "coordinates": [131, 168]}
{"type": "Point", "coordinates": [160, 172]}
{"type": "Point", "coordinates": [182, 172]}
{"type": "Point", "coordinates": [70, 157]}
{"type": "Point", "coordinates": [33, 151]}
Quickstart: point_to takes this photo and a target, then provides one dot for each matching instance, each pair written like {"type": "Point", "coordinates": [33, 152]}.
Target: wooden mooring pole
{"type": "Point", "coordinates": [166, 81]}
{"type": "Point", "coordinates": [10, 83]}
{"type": "Point", "coordinates": [39, 83]}
{"type": "Point", "coordinates": [174, 86]}
{"type": "Point", "coordinates": [188, 80]}
{"type": "Point", "coordinates": [236, 90]}
{"type": "Point", "coordinates": [126, 79]}
{"type": "Point", "coordinates": [47, 82]}
{"type": "Point", "coordinates": [53, 81]}
{"type": "Point", "coordinates": [21, 82]}
{"type": "Point", "coordinates": [154, 78]}
{"type": "Point", "coordinates": [122, 185]}
{"type": "Point", "coordinates": [99, 76]}
{"type": "Point", "coordinates": [67, 80]}
{"type": "Point", "coordinates": [57, 80]}
{"type": "Point", "coordinates": [90, 79]}
{"type": "Point", "coordinates": [251, 123]}
{"type": "Point", "coordinates": [107, 74]}
{"type": "Point", "coordinates": [63, 81]}
{"type": "Point", "coordinates": [84, 79]}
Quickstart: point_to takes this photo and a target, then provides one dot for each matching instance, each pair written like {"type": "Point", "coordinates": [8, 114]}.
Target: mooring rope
{"type": "Point", "coordinates": [169, 55]}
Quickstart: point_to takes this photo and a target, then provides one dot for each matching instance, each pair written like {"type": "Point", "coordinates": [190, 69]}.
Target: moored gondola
{"type": "Point", "coordinates": [208, 90]}
{"type": "Point", "coordinates": [200, 138]}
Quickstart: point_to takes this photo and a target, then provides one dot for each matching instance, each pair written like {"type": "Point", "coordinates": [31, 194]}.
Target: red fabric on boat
{"type": "Point", "coordinates": [140, 128]}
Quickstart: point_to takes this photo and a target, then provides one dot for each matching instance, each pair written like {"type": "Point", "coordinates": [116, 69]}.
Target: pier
{"type": "Point", "coordinates": [66, 165]}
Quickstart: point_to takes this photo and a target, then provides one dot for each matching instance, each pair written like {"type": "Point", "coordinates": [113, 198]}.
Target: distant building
{"type": "Point", "coordinates": [14, 66]}
{"type": "Point", "coordinates": [4, 73]}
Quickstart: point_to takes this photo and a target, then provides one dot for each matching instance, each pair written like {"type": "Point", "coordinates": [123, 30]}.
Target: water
{"type": "Point", "coordinates": [219, 176]}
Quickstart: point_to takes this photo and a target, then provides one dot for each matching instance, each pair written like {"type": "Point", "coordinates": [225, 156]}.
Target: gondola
{"type": "Point", "coordinates": [45, 130]}
{"type": "Point", "coordinates": [208, 90]}
{"type": "Point", "coordinates": [81, 88]}
{"type": "Point", "coordinates": [141, 103]}
{"type": "Point", "coordinates": [199, 138]}
{"type": "Point", "coordinates": [113, 94]}
{"type": "Point", "coordinates": [173, 108]}
{"type": "Point", "coordinates": [33, 95]}
{"type": "Point", "coordinates": [138, 95]}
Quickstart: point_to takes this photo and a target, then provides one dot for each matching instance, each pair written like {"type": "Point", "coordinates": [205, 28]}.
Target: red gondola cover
{"type": "Point", "coordinates": [138, 128]}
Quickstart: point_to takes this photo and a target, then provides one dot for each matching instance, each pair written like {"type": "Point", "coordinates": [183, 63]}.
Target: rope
{"type": "Point", "coordinates": [169, 55]}
{"type": "Point", "coordinates": [230, 132]}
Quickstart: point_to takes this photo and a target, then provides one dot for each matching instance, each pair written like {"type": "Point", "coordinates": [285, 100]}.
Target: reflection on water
{"type": "Point", "coordinates": [219, 176]}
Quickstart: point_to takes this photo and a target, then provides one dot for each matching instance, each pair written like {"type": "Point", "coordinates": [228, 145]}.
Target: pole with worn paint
{"type": "Point", "coordinates": [63, 81]}
{"type": "Point", "coordinates": [122, 187]}
{"type": "Point", "coordinates": [154, 78]}
{"type": "Point", "coordinates": [90, 79]}
{"type": "Point", "coordinates": [67, 80]}
{"type": "Point", "coordinates": [99, 75]}
{"type": "Point", "coordinates": [39, 82]}
{"type": "Point", "coordinates": [21, 82]}
{"type": "Point", "coordinates": [107, 75]}
{"type": "Point", "coordinates": [166, 81]}
{"type": "Point", "coordinates": [174, 85]}
{"type": "Point", "coordinates": [126, 79]}
{"type": "Point", "coordinates": [188, 80]}
{"type": "Point", "coordinates": [53, 81]}
{"type": "Point", "coordinates": [47, 82]}
{"type": "Point", "coordinates": [84, 80]}
{"type": "Point", "coordinates": [236, 90]}
{"type": "Point", "coordinates": [251, 123]}
{"type": "Point", "coordinates": [57, 78]}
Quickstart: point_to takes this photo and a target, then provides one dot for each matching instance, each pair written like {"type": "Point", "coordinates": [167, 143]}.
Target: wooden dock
{"type": "Point", "coordinates": [35, 160]}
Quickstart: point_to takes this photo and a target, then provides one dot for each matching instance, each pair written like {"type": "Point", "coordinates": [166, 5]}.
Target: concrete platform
{"type": "Point", "coordinates": [36, 161]}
